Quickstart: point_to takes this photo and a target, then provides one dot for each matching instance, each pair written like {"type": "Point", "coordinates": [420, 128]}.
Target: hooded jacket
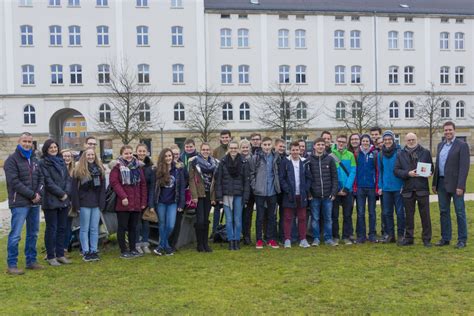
{"type": "Point", "coordinates": [347, 159]}
{"type": "Point", "coordinates": [387, 179]}
{"type": "Point", "coordinates": [367, 169]}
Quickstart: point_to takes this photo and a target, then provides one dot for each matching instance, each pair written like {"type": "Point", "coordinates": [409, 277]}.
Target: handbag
{"type": "Point", "coordinates": [190, 204]}
{"type": "Point", "coordinates": [73, 212]}
{"type": "Point", "coordinates": [110, 199]}
{"type": "Point", "coordinates": [150, 215]}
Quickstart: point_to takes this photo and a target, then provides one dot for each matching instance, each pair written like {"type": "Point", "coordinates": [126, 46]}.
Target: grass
{"type": "Point", "coordinates": [3, 191]}
{"type": "Point", "coordinates": [359, 279]}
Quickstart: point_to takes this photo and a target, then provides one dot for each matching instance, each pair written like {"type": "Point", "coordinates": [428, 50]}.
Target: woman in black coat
{"type": "Point", "coordinates": [55, 203]}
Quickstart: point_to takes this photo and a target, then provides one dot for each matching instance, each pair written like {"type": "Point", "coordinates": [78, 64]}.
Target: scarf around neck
{"type": "Point", "coordinates": [234, 165]}
{"type": "Point", "coordinates": [388, 152]}
{"type": "Point", "coordinates": [130, 171]}
{"type": "Point", "coordinates": [58, 163]}
{"type": "Point", "coordinates": [205, 166]}
{"type": "Point", "coordinates": [24, 152]}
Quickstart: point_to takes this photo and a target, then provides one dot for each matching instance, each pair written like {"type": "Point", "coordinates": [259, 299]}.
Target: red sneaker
{"type": "Point", "coordinates": [273, 244]}
{"type": "Point", "coordinates": [259, 244]}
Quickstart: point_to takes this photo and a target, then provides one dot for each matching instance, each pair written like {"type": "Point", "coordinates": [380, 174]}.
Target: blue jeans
{"type": "Point", "coordinates": [324, 206]}
{"type": "Point", "coordinates": [233, 219]}
{"type": "Point", "coordinates": [444, 201]}
{"type": "Point", "coordinates": [32, 217]}
{"type": "Point", "coordinates": [167, 219]}
{"type": "Point", "coordinates": [216, 217]}
{"type": "Point", "coordinates": [363, 195]}
{"type": "Point", "coordinates": [390, 201]}
{"type": "Point", "coordinates": [89, 231]}
{"type": "Point", "coordinates": [143, 230]}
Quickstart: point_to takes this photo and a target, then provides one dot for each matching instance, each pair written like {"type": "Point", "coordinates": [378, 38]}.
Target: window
{"type": "Point", "coordinates": [57, 74]}
{"type": "Point", "coordinates": [225, 16]}
{"type": "Point", "coordinates": [408, 40]}
{"type": "Point", "coordinates": [444, 75]}
{"type": "Point", "coordinates": [142, 35]}
{"type": "Point", "coordinates": [283, 38]}
{"type": "Point", "coordinates": [227, 113]}
{"type": "Point", "coordinates": [393, 110]}
{"type": "Point", "coordinates": [144, 114]}
{"type": "Point", "coordinates": [301, 111]}
{"type": "Point", "coordinates": [55, 37]}
{"type": "Point", "coordinates": [284, 74]}
{"type": "Point", "coordinates": [179, 112]}
{"type": "Point", "coordinates": [300, 74]}
{"type": "Point", "coordinates": [339, 18]}
{"type": "Point", "coordinates": [143, 73]}
{"type": "Point", "coordinates": [356, 109]}
{"type": "Point", "coordinates": [459, 41]}
{"type": "Point", "coordinates": [244, 74]}
{"type": "Point", "coordinates": [142, 3]}
{"type": "Point", "coordinates": [102, 3]}
{"type": "Point", "coordinates": [444, 40]}
{"type": "Point", "coordinates": [356, 74]}
{"type": "Point", "coordinates": [54, 3]}
{"type": "Point", "coordinates": [409, 74]}
{"type": "Point", "coordinates": [25, 3]}
{"type": "Point", "coordinates": [243, 38]}
{"type": "Point", "coordinates": [408, 19]}
{"type": "Point", "coordinates": [176, 4]}
{"type": "Point", "coordinates": [103, 71]}
{"type": "Point", "coordinates": [459, 21]}
{"type": "Point", "coordinates": [445, 109]}
{"type": "Point", "coordinates": [409, 109]}
{"type": "Point", "coordinates": [393, 75]}
{"type": "Point", "coordinates": [338, 39]}
{"type": "Point", "coordinates": [177, 36]}
{"type": "Point", "coordinates": [393, 40]}
{"type": "Point", "coordinates": [459, 75]}
{"type": "Point", "coordinates": [393, 19]}
{"type": "Point", "coordinates": [300, 39]}
{"type": "Point", "coordinates": [29, 115]}
{"type": "Point", "coordinates": [340, 110]}
{"type": "Point", "coordinates": [283, 16]}
{"type": "Point", "coordinates": [243, 16]}
{"type": "Point", "coordinates": [104, 113]}
{"type": "Point", "coordinates": [444, 20]}
{"type": "Point", "coordinates": [226, 74]}
{"type": "Point", "coordinates": [460, 105]}
{"type": "Point", "coordinates": [285, 111]}
{"type": "Point", "coordinates": [355, 39]}
{"type": "Point", "coordinates": [74, 35]}
{"type": "Point", "coordinates": [76, 74]}
{"type": "Point", "coordinates": [74, 3]}
{"type": "Point", "coordinates": [178, 73]}
{"type": "Point", "coordinates": [340, 72]}
{"type": "Point", "coordinates": [102, 35]}
{"type": "Point", "coordinates": [70, 134]}
{"type": "Point", "coordinates": [28, 74]}
{"type": "Point", "coordinates": [26, 35]}
{"type": "Point", "coordinates": [226, 38]}
{"type": "Point", "coordinates": [355, 18]}
{"type": "Point", "coordinates": [244, 111]}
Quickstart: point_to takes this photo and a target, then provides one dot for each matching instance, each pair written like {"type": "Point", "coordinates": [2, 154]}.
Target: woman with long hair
{"type": "Point", "coordinates": [69, 162]}
{"type": "Point", "coordinates": [88, 198]}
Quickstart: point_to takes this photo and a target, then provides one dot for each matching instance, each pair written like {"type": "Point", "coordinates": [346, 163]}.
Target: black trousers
{"type": "Point", "coordinates": [247, 216]}
{"type": "Point", "coordinates": [347, 226]}
{"type": "Point", "coordinates": [424, 209]}
{"type": "Point", "coordinates": [56, 220]}
{"type": "Point", "coordinates": [173, 237]}
{"type": "Point", "coordinates": [203, 209]}
{"type": "Point", "coordinates": [127, 221]}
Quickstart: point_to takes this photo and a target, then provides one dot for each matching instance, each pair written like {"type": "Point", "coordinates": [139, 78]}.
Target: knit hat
{"type": "Point", "coordinates": [388, 133]}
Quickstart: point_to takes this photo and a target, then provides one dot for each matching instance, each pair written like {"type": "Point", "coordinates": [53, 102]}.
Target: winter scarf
{"type": "Point", "coordinates": [95, 174]}
{"type": "Point", "coordinates": [130, 171]}
{"type": "Point", "coordinates": [234, 165]}
{"type": "Point", "coordinates": [413, 152]}
{"type": "Point", "coordinates": [24, 152]}
{"type": "Point", "coordinates": [58, 163]}
{"type": "Point", "coordinates": [206, 168]}
{"type": "Point", "coordinates": [388, 152]}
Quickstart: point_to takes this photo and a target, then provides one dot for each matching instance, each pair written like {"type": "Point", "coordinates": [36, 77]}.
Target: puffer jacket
{"type": "Point", "coordinates": [24, 179]}
{"type": "Point", "coordinates": [136, 194]}
{"type": "Point", "coordinates": [405, 163]}
{"type": "Point", "coordinates": [258, 174]}
{"type": "Point", "coordinates": [323, 176]}
{"type": "Point", "coordinates": [288, 182]}
{"type": "Point", "coordinates": [227, 185]}
{"type": "Point", "coordinates": [57, 184]}
{"type": "Point", "coordinates": [347, 159]}
{"type": "Point", "coordinates": [367, 169]}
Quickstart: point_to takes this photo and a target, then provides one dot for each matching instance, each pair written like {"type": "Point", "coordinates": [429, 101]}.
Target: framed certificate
{"type": "Point", "coordinates": [423, 169]}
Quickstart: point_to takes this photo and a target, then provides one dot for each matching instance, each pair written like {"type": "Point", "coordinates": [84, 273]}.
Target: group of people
{"type": "Point", "coordinates": [236, 176]}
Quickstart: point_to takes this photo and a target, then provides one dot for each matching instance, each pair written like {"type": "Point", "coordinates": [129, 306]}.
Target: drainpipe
{"type": "Point", "coordinates": [376, 87]}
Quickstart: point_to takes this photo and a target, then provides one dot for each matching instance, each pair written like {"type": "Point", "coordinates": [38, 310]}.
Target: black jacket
{"type": "Point", "coordinates": [87, 195]}
{"type": "Point", "coordinates": [227, 185]}
{"type": "Point", "coordinates": [405, 163]}
{"type": "Point", "coordinates": [323, 176]}
{"type": "Point", "coordinates": [56, 184]}
{"type": "Point", "coordinates": [24, 179]}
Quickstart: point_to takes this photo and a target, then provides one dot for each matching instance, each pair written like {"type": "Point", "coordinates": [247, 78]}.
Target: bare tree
{"type": "Point", "coordinates": [428, 110]}
{"type": "Point", "coordinates": [283, 110]}
{"type": "Point", "coordinates": [131, 111]}
{"type": "Point", "coordinates": [204, 114]}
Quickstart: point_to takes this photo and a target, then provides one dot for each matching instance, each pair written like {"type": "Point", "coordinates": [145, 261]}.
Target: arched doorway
{"type": "Point", "coordinates": [68, 127]}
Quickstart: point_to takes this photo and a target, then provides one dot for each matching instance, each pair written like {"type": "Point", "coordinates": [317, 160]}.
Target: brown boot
{"type": "Point", "coordinates": [35, 266]}
{"type": "Point", "coordinates": [15, 271]}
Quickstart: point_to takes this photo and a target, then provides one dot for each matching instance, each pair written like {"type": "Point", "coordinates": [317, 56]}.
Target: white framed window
{"type": "Point", "coordinates": [178, 73]}
{"type": "Point", "coordinates": [300, 38]}
{"type": "Point", "coordinates": [142, 35]}
{"type": "Point", "coordinates": [393, 75]}
{"type": "Point", "coordinates": [409, 74]}
{"type": "Point", "coordinates": [244, 111]}
{"type": "Point", "coordinates": [243, 38]}
{"type": "Point", "coordinates": [227, 112]}
{"type": "Point", "coordinates": [178, 111]}
{"type": "Point", "coordinates": [357, 109]}
{"type": "Point", "coordinates": [25, 3]}
{"type": "Point", "coordinates": [459, 41]}
{"type": "Point", "coordinates": [459, 75]}
{"type": "Point", "coordinates": [142, 3]}
{"type": "Point", "coordinates": [393, 110]}
{"type": "Point", "coordinates": [143, 73]}
{"type": "Point", "coordinates": [356, 73]}
{"type": "Point", "coordinates": [445, 108]}
{"type": "Point", "coordinates": [103, 74]}
{"type": "Point", "coordinates": [55, 36]}
{"type": "Point", "coordinates": [340, 74]}
{"type": "Point", "coordinates": [177, 36]}
{"type": "Point", "coordinates": [176, 4]}
{"type": "Point", "coordinates": [102, 3]}
{"type": "Point", "coordinates": [300, 74]}
{"type": "Point", "coordinates": [244, 77]}
{"type": "Point", "coordinates": [28, 74]}
{"type": "Point", "coordinates": [393, 40]}
{"type": "Point", "coordinates": [284, 74]}
{"type": "Point", "coordinates": [283, 38]}
{"type": "Point", "coordinates": [460, 106]}
{"type": "Point", "coordinates": [102, 35]}
{"type": "Point", "coordinates": [408, 38]}
{"type": "Point", "coordinates": [26, 37]}
{"type": "Point", "coordinates": [74, 35]}
{"type": "Point", "coordinates": [226, 38]}
{"type": "Point", "coordinates": [74, 3]}
{"type": "Point", "coordinates": [444, 75]}
{"type": "Point", "coordinates": [340, 110]}
{"type": "Point", "coordinates": [57, 74]}
{"type": "Point", "coordinates": [338, 39]}
{"type": "Point", "coordinates": [29, 115]}
{"type": "Point", "coordinates": [285, 110]}
{"type": "Point", "coordinates": [226, 74]}
{"type": "Point", "coordinates": [301, 111]}
{"type": "Point", "coordinates": [144, 113]}
{"type": "Point", "coordinates": [54, 3]}
{"type": "Point", "coordinates": [409, 109]}
{"type": "Point", "coordinates": [355, 39]}
{"type": "Point", "coordinates": [76, 74]}
{"type": "Point", "coordinates": [104, 113]}
{"type": "Point", "coordinates": [444, 40]}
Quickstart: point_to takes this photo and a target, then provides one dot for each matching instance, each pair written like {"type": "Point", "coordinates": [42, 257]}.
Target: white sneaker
{"type": "Point", "coordinates": [287, 243]}
{"type": "Point", "coordinates": [347, 242]}
{"type": "Point", "coordinates": [315, 243]}
{"type": "Point", "coordinates": [304, 244]}
{"type": "Point", "coordinates": [146, 249]}
{"type": "Point", "coordinates": [139, 250]}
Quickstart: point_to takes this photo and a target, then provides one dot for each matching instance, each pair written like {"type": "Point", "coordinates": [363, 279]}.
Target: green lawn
{"type": "Point", "coordinates": [3, 191]}
{"type": "Point", "coordinates": [358, 279]}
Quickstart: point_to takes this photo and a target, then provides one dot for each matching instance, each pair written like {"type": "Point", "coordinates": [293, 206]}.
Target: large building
{"type": "Point", "coordinates": [56, 57]}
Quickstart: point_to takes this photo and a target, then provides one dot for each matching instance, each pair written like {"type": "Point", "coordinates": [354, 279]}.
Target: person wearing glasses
{"type": "Point", "coordinates": [256, 141]}
{"type": "Point", "coordinates": [91, 142]}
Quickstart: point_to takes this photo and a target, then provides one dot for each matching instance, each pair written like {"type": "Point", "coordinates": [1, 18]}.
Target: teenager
{"type": "Point", "coordinates": [88, 197]}
{"type": "Point", "coordinates": [68, 158]}
{"type": "Point", "coordinates": [256, 142]}
{"type": "Point", "coordinates": [246, 151]}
